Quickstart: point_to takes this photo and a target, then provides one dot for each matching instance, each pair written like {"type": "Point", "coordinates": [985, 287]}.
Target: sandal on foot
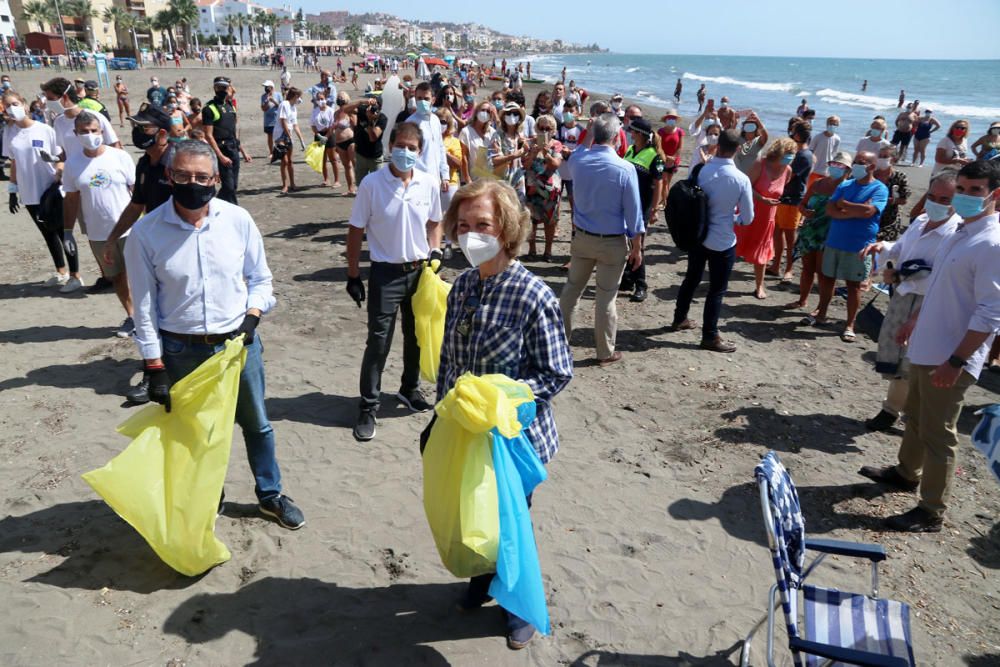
{"type": "Point", "coordinates": [848, 336]}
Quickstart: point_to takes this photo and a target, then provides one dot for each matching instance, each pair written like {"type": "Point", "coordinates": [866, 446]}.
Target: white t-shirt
{"type": "Point", "coordinates": [395, 218]}
{"type": "Point", "coordinates": [322, 118]}
{"type": "Point", "coordinates": [66, 137]}
{"type": "Point", "coordinates": [960, 149]}
{"type": "Point", "coordinates": [478, 146]}
{"type": "Point", "coordinates": [290, 113]}
{"type": "Point", "coordinates": [286, 78]}
{"type": "Point", "coordinates": [528, 129]}
{"type": "Point", "coordinates": [824, 148]}
{"type": "Point", "coordinates": [873, 146]}
{"type": "Point", "coordinates": [103, 183]}
{"type": "Point", "coordinates": [23, 146]}
{"type": "Point", "coordinates": [570, 139]}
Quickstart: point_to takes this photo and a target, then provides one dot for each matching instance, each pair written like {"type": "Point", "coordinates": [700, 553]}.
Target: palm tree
{"type": "Point", "coordinates": [40, 12]}
{"type": "Point", "coordinates": [83, 11]}
{"type": "Point", "coordinates": [186, 13]}
{"type": "Point", "coordinates": [231, 22]}
{"type": "Point", "coordinates": [259, 26]}
{"type": "Point", "coordinates": [352, 34]}
{"type": "Point", "coordinates": [272, 23]}
{"type": "Point", "coordinates": [163, 21]}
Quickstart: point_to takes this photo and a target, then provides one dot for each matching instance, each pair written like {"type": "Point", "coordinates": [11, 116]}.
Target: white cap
{"type": "Point", "coordinates": [268, 83]}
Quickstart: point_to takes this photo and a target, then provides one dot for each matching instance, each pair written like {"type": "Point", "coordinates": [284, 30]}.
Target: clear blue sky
{"type": "Point", "coordinates": [930, 29]}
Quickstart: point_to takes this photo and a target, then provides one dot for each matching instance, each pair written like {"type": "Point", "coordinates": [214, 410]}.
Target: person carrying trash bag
{"type": "Point", "coordinates": [502, 319]}
{"type": "Point", "coordinates": [199, 278]}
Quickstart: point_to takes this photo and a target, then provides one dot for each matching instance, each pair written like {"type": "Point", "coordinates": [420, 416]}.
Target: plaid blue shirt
{"type": "Point", "coordinates": [510, 324]}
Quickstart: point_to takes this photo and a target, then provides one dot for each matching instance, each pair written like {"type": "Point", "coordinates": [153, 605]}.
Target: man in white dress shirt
{"type": "Point", "coordinates": [949, 339]}
{"type": "Point", "coordinates": [199, 277]}
{"type": "Point", "coordinates": [433, 157]}
{"type": "Point", "coordinates": [398, 208]}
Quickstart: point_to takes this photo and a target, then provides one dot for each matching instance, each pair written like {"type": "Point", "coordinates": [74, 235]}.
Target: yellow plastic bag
{"type": "Point", "coordinates": [314, 155]}
{"type": "Point", "coordinates": [460, 487]}
{"type": "Point", "coordinates": [430, 303]}
{"type": "Point", "coordinates": [167, 482]}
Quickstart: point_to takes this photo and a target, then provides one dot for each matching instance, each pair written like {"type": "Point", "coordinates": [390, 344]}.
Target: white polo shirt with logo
{"type": "Point", "coordinates": [395, 216]}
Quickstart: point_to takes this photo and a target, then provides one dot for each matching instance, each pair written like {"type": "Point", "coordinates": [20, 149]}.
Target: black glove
{"type": "Point", "coordinates": [69, 242]}
{"type": "Point", "coordinates": [356, 288]}
{"type": "Point", "coordinates": [435, 259]}
{"type": "Point", "coordinates": [13, 206]}
{"type": "Point", "coordinates": [159, 386]}
{"type": "Point", "coordinates": [248, 327]}
{"type": "Point", "coordinates": [319, 138]}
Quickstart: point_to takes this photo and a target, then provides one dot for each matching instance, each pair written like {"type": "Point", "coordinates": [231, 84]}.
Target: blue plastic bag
{"type": "Point", "coordinates": [517, 586]}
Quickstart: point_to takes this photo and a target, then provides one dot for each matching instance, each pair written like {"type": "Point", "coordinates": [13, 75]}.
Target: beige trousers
{"type": "Point", "coordinates": [608, 256]}
{"type": "Point", "coordinates": [930, 441]}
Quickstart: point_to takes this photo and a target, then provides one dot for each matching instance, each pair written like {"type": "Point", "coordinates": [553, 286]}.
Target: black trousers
{"type": "Point", "coordinates": [53, 240]}
{"type": "Point", "coordinates": [390, 290]}
{"type": "Point", "coordinates": [720, 265]}
{"type": "Point", "coordinates": [633, 278]}
{"type": "Point", "coordinates": [229, 177]}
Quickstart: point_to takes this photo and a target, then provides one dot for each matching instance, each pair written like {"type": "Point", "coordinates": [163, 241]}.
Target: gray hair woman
{"type": "Point", "coordinates": [503, 319]}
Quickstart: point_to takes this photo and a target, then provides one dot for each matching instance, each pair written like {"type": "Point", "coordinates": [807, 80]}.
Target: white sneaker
{"type": "Point", "coordinates": [56, 279]}
{"type": "Point", "coordinates": [72, 285]}
{"type": "Point", "coordinates": [126, 329]}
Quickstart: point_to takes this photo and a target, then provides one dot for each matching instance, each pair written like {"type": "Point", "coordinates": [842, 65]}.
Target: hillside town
{"type": "Point", "coordinates": [127, 27]}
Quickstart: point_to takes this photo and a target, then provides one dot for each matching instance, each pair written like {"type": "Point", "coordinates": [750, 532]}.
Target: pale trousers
{"type": "Point", "coordinates": [608, 256]}
{"type": "Point", "coordinates": [930, 441]}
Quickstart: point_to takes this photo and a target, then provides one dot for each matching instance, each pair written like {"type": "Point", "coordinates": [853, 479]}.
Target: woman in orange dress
{"type": "Point", "coordinates": [755, 242]}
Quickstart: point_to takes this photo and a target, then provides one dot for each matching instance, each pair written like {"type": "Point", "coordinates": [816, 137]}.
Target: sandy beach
{"type": "Point", "coordinates": [649, 527]}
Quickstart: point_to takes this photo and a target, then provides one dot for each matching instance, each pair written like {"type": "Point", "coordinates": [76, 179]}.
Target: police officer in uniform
{"type": "Point", "coordinates": [90, 102]}
{"type": "Point", "coordinates": [645, 156]}
{"type": "Point", "coordinates": [219, 122]}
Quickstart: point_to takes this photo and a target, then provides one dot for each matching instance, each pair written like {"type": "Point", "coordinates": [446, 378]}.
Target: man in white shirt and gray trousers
{"type": "Point", "coordinates": [730, 202]}
{"type": "Point", "coordinates": [949, 339]}
{"type": "Point", "coordinates": [199, 277]}
{"type": "Point", "coordinates": [398, 208]}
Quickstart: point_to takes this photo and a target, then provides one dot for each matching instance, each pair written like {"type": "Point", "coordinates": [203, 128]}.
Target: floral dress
{"type": "Point", "coordinates": [513, 173]}
{"type": "Point", "coordinates": [889, 225]}
{"type": "Point", "coordinates": [812, 233]}
{"type": "Point", "coordinates": [542, 187]}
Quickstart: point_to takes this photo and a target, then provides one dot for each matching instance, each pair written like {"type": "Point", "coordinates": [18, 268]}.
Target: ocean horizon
{"type": "Point", "coordinates": [773, 86]}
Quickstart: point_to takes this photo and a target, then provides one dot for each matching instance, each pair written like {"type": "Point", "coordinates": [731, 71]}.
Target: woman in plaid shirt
{"type": "Point", "coordinates": [502, 319]}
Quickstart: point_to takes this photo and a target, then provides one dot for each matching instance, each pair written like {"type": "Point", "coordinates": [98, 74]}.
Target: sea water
{"type": "Point", "coordinates": [774, 87]}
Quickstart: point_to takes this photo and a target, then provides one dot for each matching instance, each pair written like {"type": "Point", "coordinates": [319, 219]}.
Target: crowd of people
{"type": "Point", "coordinates": [483, 170]}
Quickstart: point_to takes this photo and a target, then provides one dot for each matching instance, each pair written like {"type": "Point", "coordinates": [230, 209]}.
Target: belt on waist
{"type": "Point", "coordinates": [601, 236]}
{"type": "Point", "coordinates": [405, 267]}
{"type": "Point", "coordinates": [200, 339]}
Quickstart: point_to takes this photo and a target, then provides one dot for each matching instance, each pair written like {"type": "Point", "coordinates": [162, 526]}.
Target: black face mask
{"type": "Point", "coordinates": [193, 196]}
{"type": "Point", "coordinates": [141, 140]}
{"type": "Point", "coordinates": [220, 95]}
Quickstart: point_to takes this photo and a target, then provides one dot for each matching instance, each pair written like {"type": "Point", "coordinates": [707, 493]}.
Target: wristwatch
{"type": "Point", "coordinates": [955, 361]}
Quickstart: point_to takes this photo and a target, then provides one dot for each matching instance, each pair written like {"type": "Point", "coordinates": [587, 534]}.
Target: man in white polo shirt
{"type": "Point", "coordinates": [399, 208]}
{"type": "Point", "coordinates": [949, 340]}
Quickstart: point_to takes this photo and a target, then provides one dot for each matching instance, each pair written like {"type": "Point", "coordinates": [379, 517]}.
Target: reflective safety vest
{"type": "Point", "coordinates": [643, 159]}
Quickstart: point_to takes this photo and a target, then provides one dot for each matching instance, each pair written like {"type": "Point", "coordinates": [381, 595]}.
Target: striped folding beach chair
{"type": "Point", "coordinates": [837, 627]}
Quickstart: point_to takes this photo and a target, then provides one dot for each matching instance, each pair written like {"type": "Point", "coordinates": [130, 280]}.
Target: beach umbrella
{"type": "Point", "coordinates": [411, 54]}
{"type": "Point", "coordinates": [436, 61]}
{"type": "Point", "coordinates": [468, 61]}
{"type": "Point", "coordinates": [449, 58]}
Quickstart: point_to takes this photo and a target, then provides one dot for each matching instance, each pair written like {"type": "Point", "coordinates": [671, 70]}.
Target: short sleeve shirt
{"type": "Point", "coordinates": [364, 146]}
{"type": "Point", "coordinates": [103, 183]}
{"type": "Point", "coordinates": [151, 185]}
{"type": "Point", "coordinates": [395, 216]}
{"type": "Point", "coordinates": [853, 234]}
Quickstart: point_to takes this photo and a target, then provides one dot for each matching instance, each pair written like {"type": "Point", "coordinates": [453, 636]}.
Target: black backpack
{"type": "Point", "coordinates": [687, 212]}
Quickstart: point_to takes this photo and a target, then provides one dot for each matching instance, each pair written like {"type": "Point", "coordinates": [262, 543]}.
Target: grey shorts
{"type": "Point", "coordinates": [845, 265]}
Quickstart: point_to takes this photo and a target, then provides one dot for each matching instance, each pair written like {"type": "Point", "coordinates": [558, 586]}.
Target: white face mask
{"type": "Point", "coordinates": [512, 119]}
{"type": "Point", "coordinates": [55, 106]}
{"type": "Point", "coordinates": [483, 116]}
{"type": "Point", "coordinates": [90, 141]}
{"type": "Point", "coordinates": [16, 112]}
{"type": "Point", "coordinates": [478, 248]}
{"type": "Point", "coordinates": [884, 163]}
{"type": "Point", "coordinates": [712, 139]}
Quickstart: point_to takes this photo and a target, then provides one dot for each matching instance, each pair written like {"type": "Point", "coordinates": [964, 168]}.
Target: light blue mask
{"type": "Point", "coordinates": [423, 107]}
{"type": "Point", "coordinates": [859, 171]}
{"type": "Point", "coordinates": [936, 211]}
{"type": "Point", "coordinates": [403, 159]}
{"type": "Point", "coordinates": [787, 159]}
{"type": "Point", "coordinates": [837, 172]}
{"type": "Point", "coordinates": [967, 206]}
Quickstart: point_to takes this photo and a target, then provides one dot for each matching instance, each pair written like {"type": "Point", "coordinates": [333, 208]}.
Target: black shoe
{"type": "Point", "coordinates": [917, 520]}
{"type": "Point", "coordinates": [222, 505]}
{"type": "Point", "coordinates": [102, 284]}
{"type": "Point", "coordinates": [883, 421]}
{"type": "Point", "coordinates": [413, 401]}
{"type": "Point", "coordinates": [284, 510]}
{"type": "Point", "coordinates": [139, 394]}
{"type": "Point", "coordinates": [626, 286]}
{"type": "Point", "coordinates": [364, 429]}
{"type": "Point", "coordinates": [639, 295]}
{"type": "Point", "coordinates": [888, 476]}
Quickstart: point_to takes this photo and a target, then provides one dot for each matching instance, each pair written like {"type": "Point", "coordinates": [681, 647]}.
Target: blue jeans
{"type": "Point", "coordinates": [181, 358]}
{"type": "Point", "coordinates": [720, 265]}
